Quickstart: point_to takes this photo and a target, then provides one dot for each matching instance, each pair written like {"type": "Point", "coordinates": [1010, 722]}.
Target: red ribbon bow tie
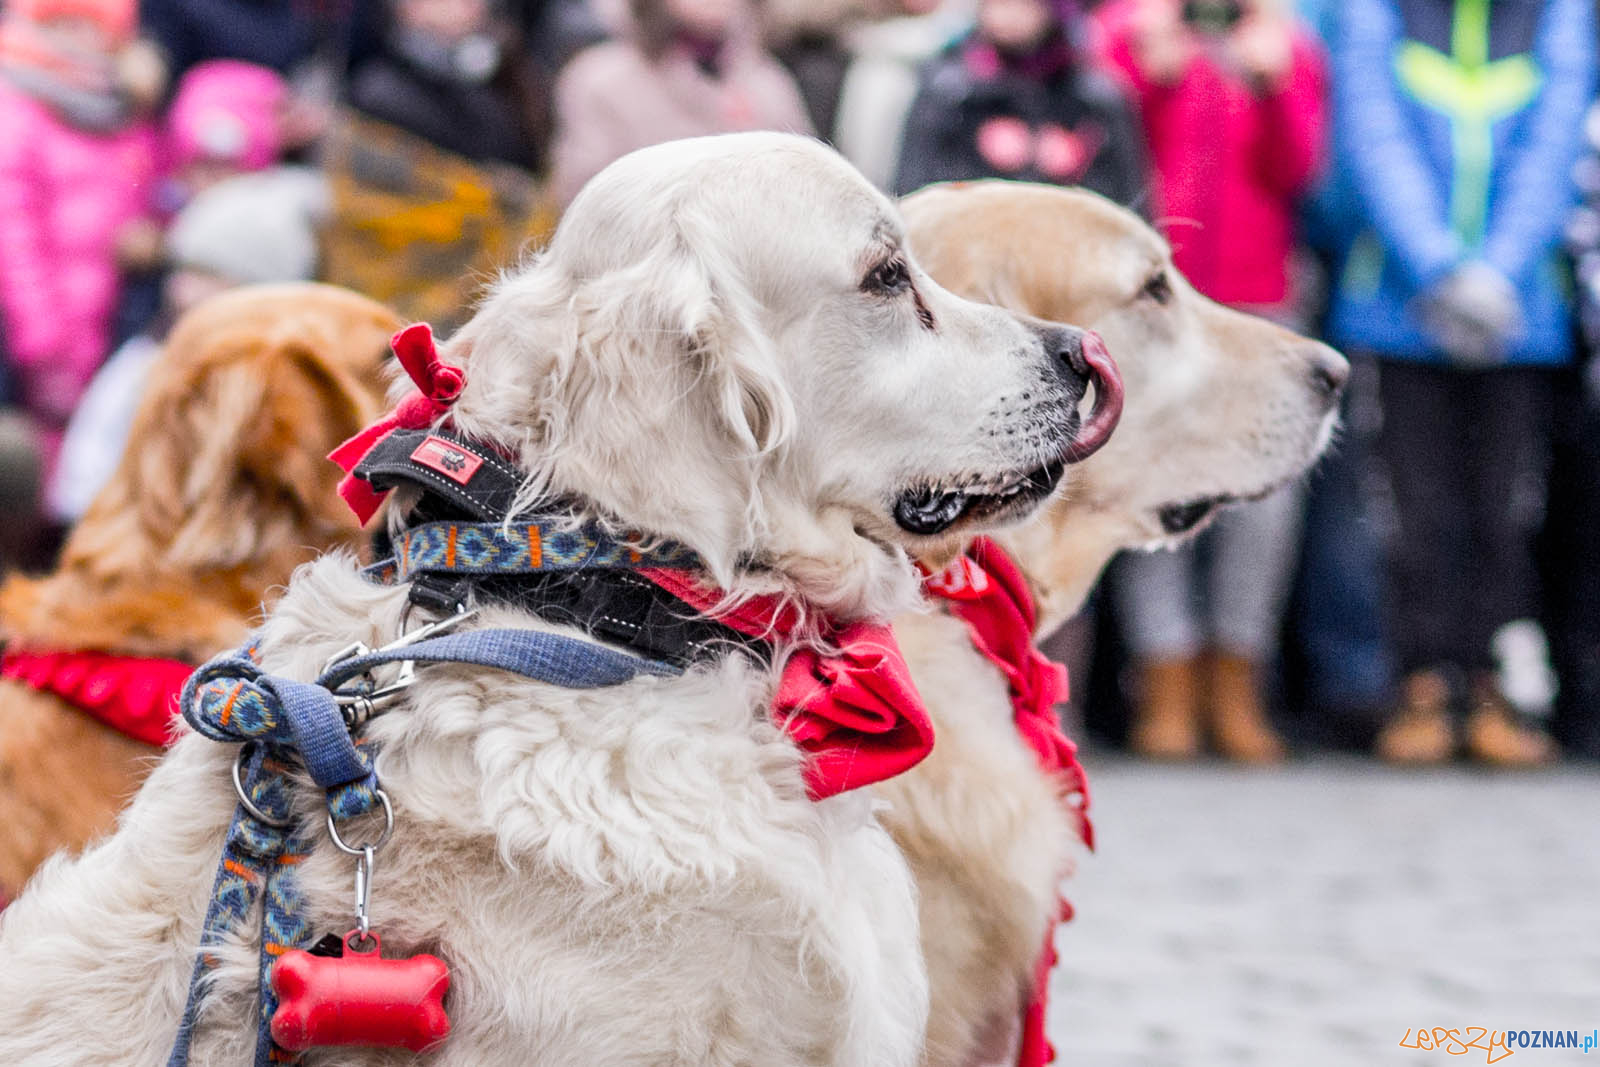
{"type": "Point", "coordinates": [854, 712]}
{"type": "Point", "coordinates": [986, 590]}
{"type": "Point", "coordinates": [438, 386]}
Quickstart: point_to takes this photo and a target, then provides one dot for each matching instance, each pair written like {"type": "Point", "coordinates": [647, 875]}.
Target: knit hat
{"type": "Point", "coordinates": [253, 228]}
{"type": "Point", "coordinates": [118, 18]}
{"type": "Point", "coordinates": [226, 110]}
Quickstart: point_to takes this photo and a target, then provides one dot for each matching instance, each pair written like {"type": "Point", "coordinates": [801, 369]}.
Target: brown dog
{"type": "Point", "coordinates": [1219, 407]}
{"type": "Point", "coordinates": [222, 491]}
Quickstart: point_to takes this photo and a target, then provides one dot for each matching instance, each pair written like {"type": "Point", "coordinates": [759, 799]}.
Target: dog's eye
{"type": "Point", "coordinates": [890, 278]}
{"type": "Point", "coordinates": [1157, 288]}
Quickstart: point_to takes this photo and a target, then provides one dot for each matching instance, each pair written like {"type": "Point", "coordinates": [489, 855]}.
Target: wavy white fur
{"type": "Point", "coordinates": [632, 875]}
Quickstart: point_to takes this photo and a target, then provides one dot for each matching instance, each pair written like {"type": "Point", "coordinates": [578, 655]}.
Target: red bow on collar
{"type": "Point", "coordinates": [136, 697]}
{"type": "Point", "coordinates": [986, 591]}
{"type": "Point", "coordinates": [854, 712]}
{"type": "Point", "coordinates": [438, 386]}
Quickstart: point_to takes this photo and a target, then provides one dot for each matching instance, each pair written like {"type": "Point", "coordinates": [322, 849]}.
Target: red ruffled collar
{"type": "Point", "coordinates": [985, 589]}
{"type": "Point", "coordinates": [136, 697]}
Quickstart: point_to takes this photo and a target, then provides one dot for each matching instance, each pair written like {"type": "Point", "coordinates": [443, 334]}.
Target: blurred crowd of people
{"type": "Point", "coordinates": [1416, 181]}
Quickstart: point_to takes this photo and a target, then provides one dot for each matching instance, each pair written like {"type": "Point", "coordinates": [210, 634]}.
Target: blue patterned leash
{"type": "Point", "coordinates": [280, 721]}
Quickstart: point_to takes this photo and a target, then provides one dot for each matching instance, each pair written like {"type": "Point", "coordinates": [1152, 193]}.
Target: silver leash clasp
{"type": "Point", "coordinates": [358, 707]}
{"type": "Point", "coordinates": [364, 864]}
{"type": "Point", "coordinates": [366, 858]}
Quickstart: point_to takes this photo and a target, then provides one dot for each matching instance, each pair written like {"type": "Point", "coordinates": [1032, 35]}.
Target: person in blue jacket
{"type": "Point", "coordinates": [1457, 123]}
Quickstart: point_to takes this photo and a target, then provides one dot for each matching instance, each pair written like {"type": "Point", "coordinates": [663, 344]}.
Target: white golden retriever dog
{"type": "Point", "coordinates": [726, 345]}
{"type": "Point", "coordinates": [1220, 407]}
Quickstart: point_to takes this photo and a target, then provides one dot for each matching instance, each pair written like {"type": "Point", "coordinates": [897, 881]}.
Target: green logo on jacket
{"type": "Point", "coordinates": [1473, 93]}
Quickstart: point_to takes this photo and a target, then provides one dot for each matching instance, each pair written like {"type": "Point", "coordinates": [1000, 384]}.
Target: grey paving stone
{"type": "Point", "coordinates": [1308, 915]}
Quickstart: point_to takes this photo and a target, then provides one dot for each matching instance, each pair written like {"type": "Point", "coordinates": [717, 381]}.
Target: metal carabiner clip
{"type": "Point", "coordinates": [357, 708]}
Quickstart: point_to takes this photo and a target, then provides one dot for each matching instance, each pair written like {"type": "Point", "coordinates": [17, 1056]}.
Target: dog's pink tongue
{"type": "Point", "coordinates": [1096, 431]}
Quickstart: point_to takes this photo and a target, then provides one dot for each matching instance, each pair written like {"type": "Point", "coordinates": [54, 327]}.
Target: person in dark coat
{"type": "Point", "coordinates": [280, 34]}
{"type": "Point", "coordinates": [453, 73]}
{"type": "Point", "coordinates": [1019, 98]}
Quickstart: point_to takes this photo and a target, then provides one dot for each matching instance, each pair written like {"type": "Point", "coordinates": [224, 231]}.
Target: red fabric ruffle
{"type": "Point", "coordinates": [985, 589]}
{"type": "Point", "coordinates": [855, 712]}
{"type": "Point", "coordinates": [136, 697]}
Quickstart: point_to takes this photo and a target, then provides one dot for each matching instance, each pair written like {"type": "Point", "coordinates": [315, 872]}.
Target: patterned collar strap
{"type": "Point", "coordinates": [485, 549]}
{"type": "Point", "coordinates": [579, 577]}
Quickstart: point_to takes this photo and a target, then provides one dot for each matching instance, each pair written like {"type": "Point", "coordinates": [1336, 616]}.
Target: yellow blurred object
{"type": "Point", "coordinates": [421, 229]}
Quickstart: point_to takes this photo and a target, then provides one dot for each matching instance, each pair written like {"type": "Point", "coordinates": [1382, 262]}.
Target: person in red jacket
{"type": "Point", "coordinates": [1232, 93]}
{"type": "Point", "coordinates": [1232, 97]}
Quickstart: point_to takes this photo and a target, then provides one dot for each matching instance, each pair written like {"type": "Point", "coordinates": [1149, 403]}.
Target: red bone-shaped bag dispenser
{"type": "Point", "coordinates": [359, 999]}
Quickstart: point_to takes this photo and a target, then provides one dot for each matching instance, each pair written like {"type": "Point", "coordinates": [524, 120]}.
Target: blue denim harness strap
{"type": "Point", "coordinates": [546, 657]}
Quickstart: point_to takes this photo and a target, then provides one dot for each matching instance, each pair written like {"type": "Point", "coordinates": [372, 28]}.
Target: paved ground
{"type": "Point", "coordinates": [1308, 916]}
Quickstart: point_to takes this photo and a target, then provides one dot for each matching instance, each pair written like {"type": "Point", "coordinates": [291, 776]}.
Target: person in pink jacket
{"type": "Point", "coordinates": [78, 164]}
{"type": "Point", "coordinates": [1232, 97]}
{"type": "Point", "coordinates": [1232, 93]}
{"type": "Point", "coordinates": [686, 68]}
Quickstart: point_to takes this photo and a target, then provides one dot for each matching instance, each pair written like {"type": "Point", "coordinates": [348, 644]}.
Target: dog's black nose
{"type": "Point", "coordinates": [1064, 344]}
{"type": "Point", "coordinates": [1083, 356]}
{"type": "Point", "coordinates": [1329, 371]}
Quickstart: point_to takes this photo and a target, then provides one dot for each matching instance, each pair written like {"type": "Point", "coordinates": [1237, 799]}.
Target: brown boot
{"type": "Point", "coordinates": [1240, 729]}
{"type": "Point", "coordinates": [1496, 736]}
{"type": "Point", "coordinates": [1166, 722]}
{"type": "Point", "coordinates": [1420, 732]}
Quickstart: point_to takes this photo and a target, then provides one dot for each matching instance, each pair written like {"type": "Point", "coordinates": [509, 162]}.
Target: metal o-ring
{"type": "Point", "coordinates": [356, 941]}
{"type": "Point", "coordinates": [256, 813]}
{"type": "Point", "coordinates": [383, 838]}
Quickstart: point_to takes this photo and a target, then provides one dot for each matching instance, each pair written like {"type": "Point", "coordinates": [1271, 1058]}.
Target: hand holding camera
{"type": "Point", "coordinates": [1214, 17]}
{"type": "Point", "coordinates": [1163, 45]}
{"type": "Point", "coordinates": [1260, 44]}
{"type": "Point", "coordinates": [1250, 37]}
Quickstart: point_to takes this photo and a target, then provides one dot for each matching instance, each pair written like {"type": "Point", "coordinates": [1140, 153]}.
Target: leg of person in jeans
{"type": "Point", "coordinates": [1507, 457]}
{"type": "Point", "coordinates": [1253, 551]}
{"type": "Point", "coordinates": [1154, 595]}
{"type": "Point", "coordinates": [1422, 442]}
{"type": "Point", "coordinates": [1338, 612]}
{"type": "Point", "coordinates": [1572, 566]}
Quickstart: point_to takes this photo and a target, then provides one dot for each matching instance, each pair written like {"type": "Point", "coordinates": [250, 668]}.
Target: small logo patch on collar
{"type": "Point", "coordinates": [447, 458]}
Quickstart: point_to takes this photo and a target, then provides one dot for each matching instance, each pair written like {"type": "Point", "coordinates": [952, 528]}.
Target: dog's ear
{"type": "Point", "coordinates": [648, 388]}
{"type": "Point", "coordinates": [225, 467]}
{"type": "Point", "coordinates": [736, 364]}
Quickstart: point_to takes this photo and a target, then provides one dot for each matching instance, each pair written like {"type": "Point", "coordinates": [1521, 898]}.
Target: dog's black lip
{"type": "Point", "coordinates": [1183, 516]}
{"type": "Point", "coordinates": [927, 511]}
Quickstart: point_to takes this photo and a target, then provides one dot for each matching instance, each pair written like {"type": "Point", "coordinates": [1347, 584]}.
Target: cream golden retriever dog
{"type": "Point", "coordinates": [1219, 407]}
{"type": "Point", "coordinates": [727, 344]}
